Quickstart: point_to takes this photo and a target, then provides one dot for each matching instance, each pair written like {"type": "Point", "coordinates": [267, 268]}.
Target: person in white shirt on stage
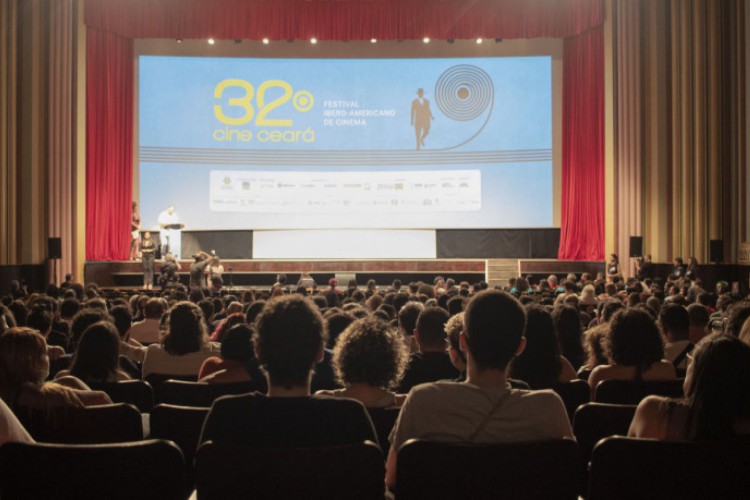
{"type": "Point", "coordinates": [170, 237]}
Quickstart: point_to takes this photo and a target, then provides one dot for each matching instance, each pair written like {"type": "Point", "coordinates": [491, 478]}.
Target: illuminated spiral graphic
{"type": "Point", "coordinates": [464, 92]}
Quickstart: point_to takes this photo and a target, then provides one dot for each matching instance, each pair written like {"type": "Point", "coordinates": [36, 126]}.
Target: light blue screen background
{"type": "Point", "coordinates": [176, 117]}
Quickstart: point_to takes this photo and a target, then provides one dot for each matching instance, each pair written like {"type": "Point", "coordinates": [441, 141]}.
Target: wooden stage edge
{"type": "Point", "coordinates": [262, 272]}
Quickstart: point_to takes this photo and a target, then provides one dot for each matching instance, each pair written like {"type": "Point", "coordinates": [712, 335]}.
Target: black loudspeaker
{"type": "Point", "coordinates": [636, 246]}
{"type": "Point", "coordinates": [716, 250]}
{"type": "Point", "coordinates": [54, 248]}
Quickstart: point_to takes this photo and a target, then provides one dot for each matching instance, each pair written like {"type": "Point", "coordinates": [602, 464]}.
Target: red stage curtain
{"type": "Point", "coordinates": [112, 24]}
{"type": "Point", "coordinates": [582, 223]}
{"type": "Point", "coordinates": [349, 20]}
{"type": "Point", "coordinates": [109, 145]}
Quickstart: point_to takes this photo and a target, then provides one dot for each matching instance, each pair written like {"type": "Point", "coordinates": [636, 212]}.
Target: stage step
{"type": "Point", "coordinates": [499, 271]}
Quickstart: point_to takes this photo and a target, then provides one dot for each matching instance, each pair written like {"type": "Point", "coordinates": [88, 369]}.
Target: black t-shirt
{"type": "Point", "coordinates": [257, 420]}
{"type": "Point", "coordinates": [647, 271]}
{"type": "Point", "coordinates": [197, 270]}
{"type": "Point", "coordinates": [427, 367]}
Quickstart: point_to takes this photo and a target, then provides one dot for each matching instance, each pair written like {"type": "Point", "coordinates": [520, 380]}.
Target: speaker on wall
{"type": "Point", "coordinates": [636, 246]}
{"type": "Point", "coordinates": [716, 250]}
{"type": "Point", "coordinates": [54, 248]}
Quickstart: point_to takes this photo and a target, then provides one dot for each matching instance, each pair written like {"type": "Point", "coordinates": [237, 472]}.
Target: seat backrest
{"type": "Point", "coordinates": [115, 423]}
{"type": "Point", "coordinates": [631, 392]}
{"type": "Point", "coordinates": [574, 394]}
{"type": "Point", "coordinates": [182, 425]}
{"type": "Point", "coordinates": [596, 421]}
{"type": "Point", "coordinates": [643, 468]}
{"type": "Point", "coordinates": [180, 392]}
{"type": "Point", "coordinates": [530, 470]}
{"type": "Point", "coordinates": [147, 469]}
{"type": "Point", "coordinates": [136, 392]}
{"type": "Point", "coordinates": [384, 419]}
{"type": "Point", "coordinates": [157, 379]}
{"type": "Point", "coordinates": [338, 472]}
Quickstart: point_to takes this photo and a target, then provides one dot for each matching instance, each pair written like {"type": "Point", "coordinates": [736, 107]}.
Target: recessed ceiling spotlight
{"type": "Point", "coordinates": [313, 40]}
{"type": "Point", "coordinates": [373, 40]}
{"type": "Point", "coordinates": [265, 41]}
{"type": "Point", "coordinates": [479, 41]}
{"type": "Point", "coordinates": [179, 40]}
{"type": "Point", "coordinates": [426, 39]}
{"type": "Point", "coordinates": [211, 41]}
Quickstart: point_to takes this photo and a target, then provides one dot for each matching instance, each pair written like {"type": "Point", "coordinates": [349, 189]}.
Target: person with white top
{"type": "Point", "coordinates": [171, 239]}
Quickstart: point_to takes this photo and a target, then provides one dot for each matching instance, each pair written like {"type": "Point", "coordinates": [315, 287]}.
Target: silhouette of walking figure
{"type": "Point", "coordinates": [421, 117]}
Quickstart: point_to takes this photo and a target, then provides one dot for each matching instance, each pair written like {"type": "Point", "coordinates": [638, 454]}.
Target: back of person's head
{"type": "Point", "coordinates": [207, 307]}
{"type": "Point", "coordinates": [122, 318]}
{"type": "Point", "coordinates": [238, 345]}
{"type": "Point", "coordinates": [568, 327]}
{"type": "Point", "coordinates": [634, 339]}
{"type": "Point", "coordinates": [97, 354]}
{"type": "Point", "coordinates": [369, 352]}
{"type": "Point", "coordinates": [399, 301]}
{"type": "Point", "coordinates": [289, 337]}
{"type": "Point", "coordinates": [69, 308]}
{"type": "Point", "coordinates": [396, 285]}
{"type": "Point", "coordinates": [594, 345]}
{"type": "Point", "coordinates": [494, 323]}
{"type": "Point", "coordinates": [39, 320]}
{"type": "Point", "coordinates": [230, 322]}
{"type": "Point", "coordinates": [319, 301]}
{"type": "Point", "coordinates": [388, 310]}
{"type": "Point", "coordinates": [431, 328]}
{"type": "Point", "coordinates": [456, 305]}
{"type": "Point", "coordinates": [609, 308]}
{"type": "Point", "coordinates": [675, 321]}
{"type": "Point", "coordinates": [407, 317]}
{"type": "Point", "coordinates": [154, 308]}
{"type": "Point", "coordinates": [453, 329]}
{"type": "Point", "coordinates": [23, 360]}
{"type": "Point", "coordinates": [717, 386]}
{"type": "Point", "coordinates": [253, 311]}
{"type": "Point", "coordinates": [196, 295]}
{"type": "Point", "coordinates": [539, 364]}
{"type": "Point", "coordinates": [20, 312]}
{"type": "Point", "coordinates": [699, 315]}
{"type": "Point", "coordinates": [737, 314]}
{"type": "Point", "coordinates": [84, 319]}
{"type": "Point", "coordinates": [335, 324]}
{"type": "Point", "coordinates": [186, 330]}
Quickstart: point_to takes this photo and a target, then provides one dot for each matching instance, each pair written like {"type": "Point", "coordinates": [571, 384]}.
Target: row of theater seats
{"type": "Point", "coordinates": [620, 468]}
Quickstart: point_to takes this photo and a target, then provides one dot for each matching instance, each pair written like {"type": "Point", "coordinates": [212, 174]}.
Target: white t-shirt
{"type": "Point", "coordinates": [158, 360]}
{"type": "Point", "coordinates": [11, 430]}
{"type": "Point", "coordinates": [452, 411]}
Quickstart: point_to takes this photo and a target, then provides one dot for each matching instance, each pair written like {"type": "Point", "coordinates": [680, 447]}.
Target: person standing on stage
{"type": "Point", "coordinates": [169, 271]}
{"type": "Point", "coordinates": [170, 238]}
{"type": "Point", "coordinates": [135, 227]}
{"type": "Point", "coordinates": [198, 270]}
{"type": "Point", "coordinates": [148, 251]}
{"type": "Point", "coordinates": [214, 272]}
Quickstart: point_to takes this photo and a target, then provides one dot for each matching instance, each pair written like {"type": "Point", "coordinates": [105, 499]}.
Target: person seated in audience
{"type": "Point", "coordinates": [335, 323]}
{"type": "Point", "coordinates": [407, 323]}
{"type": "Point", "coordinates": [675, 324]}
{"type": "Point", "coordinates": [85, 318]}
{"type": "Point", "coordinates": [745, 332]}
{"type": "Point", "coordinates": [148, 331]}
{"type": "Point", "coordinates": [185, 345]}
{"type": "Point", "coordinates": [289, 339]}
{"type": "Point", "coordinates": [569, 334]}
{"type": "Point", "coordinates": [11, 429]}
{"type": "Point", "coordinates": [484, 408]}
{"type": "Point", "coordinates": [431, 363]}
{"type": "Point", "coordinates": [234, 319]}
{"type": "Point", "coordinates": [736, 316]}
{"type": "Point", "coordinates": [237, 362]}
{"type": "Point", "coordinates": [97, 358]}
{"type": "Point", "coordinates": [24, 368]}
{"type": "Point", "coordinates": [699, 319]}
{"type": "Point", "coordinates": [635, 350]}
{"type": "Point", "coordinates": [369, 359]}
{"type": "Point", "coordinates": [716, 405]}
{"type": "Point", "coordinates": [540, 364]}
{"type": "Point", "coordinates": [678, 270]}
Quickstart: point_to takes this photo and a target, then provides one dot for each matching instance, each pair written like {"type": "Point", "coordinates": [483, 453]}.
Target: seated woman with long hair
{"type": "Point", "coordinates": [540, 364]}
{"type": "Point", "coordinates": [185, 345]}
{"type": "Point", "coordinates": [369, 359]}
{"type": "Point", "coordinates": [717, 397]}
{"type": "Point", "coordinates": [24, 368]}
{"type": "Point", "coordinates": [635, 349]}
{"type": "Point", "coordinates": [97, 358]}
